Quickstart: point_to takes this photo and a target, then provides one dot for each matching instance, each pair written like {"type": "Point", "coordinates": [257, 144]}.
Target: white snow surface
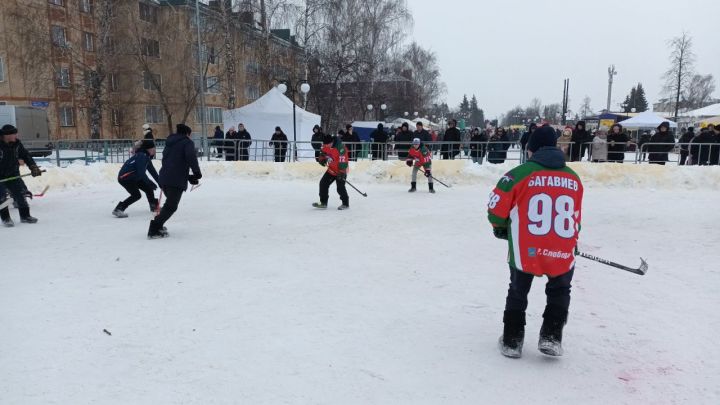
{"type": "Point", "coordinates": [257, 298]}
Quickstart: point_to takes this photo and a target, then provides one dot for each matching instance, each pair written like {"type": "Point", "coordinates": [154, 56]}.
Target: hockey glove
{"type": "Point", "coordinates": [409, 162]}
{"type": "Point", "coordinates": [500, 232]}
{"type": "Point", "coordinates": [328, 160]}
{"type": "Point", "coordinates": [427, 174]}
{"type": "Point", "coordinates": [35, 171]}
{"type": "Point", "coordinates": [193, 179]}
{"type": "Point", "coordinates": [342, 176]}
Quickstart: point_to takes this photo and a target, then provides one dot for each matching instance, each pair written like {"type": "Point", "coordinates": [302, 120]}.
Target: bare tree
{"type": "Point", "coordinates": [678, 76]}
{"type": "Point", "coordinates": [585, 109]}
{"type": "Point", "coordinates": [535, 108]}
{"type": "Point", "coordinates": [698, 91]}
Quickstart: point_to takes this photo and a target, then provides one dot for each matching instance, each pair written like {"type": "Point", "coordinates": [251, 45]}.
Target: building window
{"type": "Point", "coordinates": [66, 117]}
{"type": "Point", "coordinates": [214, 115]}
{"type": "Point", "coordinates": [86, 6]}
{"type": "Point", "coordinates": [150, 47]}
{"type": "Point", "coordinates": [88, 42]}
{"type": "Point", "coordinates": [148, 13]}
{"type": "Point", "coordinates": [151, 81]}
{"type": "Point", "coordinates": [116, 117]}
{"type": "Point", "coordinates": [113, 80]}
{"type": "Point", "coordinates": [153, 114]}
{"type": "Point", "coordinates": [58, 36]}
{"type": "Point", "coordinates": [2, 69]}
{"type": "Point", "coordinates": [212, 84]}
{"type": "Point", "coordinates": [208, 55]}
{"type": "Point", "coordinates": [252, 92]}
{"type": "Point", "coordinates": [62, 76]}
{"type": "Point", "coordinates": [57, 2]}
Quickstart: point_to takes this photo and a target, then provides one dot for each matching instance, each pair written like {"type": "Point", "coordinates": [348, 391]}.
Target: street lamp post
{"type": "Point", "coordinates": [383, 107]}
{"type": "Point", "coordinates": [370, 108]}
{"type": "Point", "coordinates": [304, 89]}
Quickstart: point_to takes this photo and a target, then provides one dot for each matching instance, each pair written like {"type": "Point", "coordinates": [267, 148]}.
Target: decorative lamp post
{"type": "Point", "coordinates": [304, 88]}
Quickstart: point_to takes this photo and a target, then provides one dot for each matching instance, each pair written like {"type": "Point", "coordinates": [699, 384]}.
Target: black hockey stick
{"type": "Point", "coordinates": [434, 178]}
{"type": "Point", "coordinates": [19, 177]}
{"type": "Point", "coordinates": [361, 193]}
{"type": "Point", "coordinates": [640, 270]}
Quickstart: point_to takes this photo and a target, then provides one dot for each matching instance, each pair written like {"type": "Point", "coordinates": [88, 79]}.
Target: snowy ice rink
{"type": "Point", "coordinates": [256, 298]}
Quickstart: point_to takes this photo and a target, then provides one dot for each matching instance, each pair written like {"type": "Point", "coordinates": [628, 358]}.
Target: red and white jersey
{"type": "Point", "coordinates": [541, 208]}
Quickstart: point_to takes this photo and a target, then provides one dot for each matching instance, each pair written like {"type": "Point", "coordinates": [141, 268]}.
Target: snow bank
{"type": "Point", "coordinates": [456, 172]}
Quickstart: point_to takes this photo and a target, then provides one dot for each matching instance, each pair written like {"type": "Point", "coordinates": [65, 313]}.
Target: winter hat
{"type": "Point", "coordinates": [348, 126]}
{"type": "Point", "coordinates": [327, 138]}
{"type": "Point", "coordinates": [405, 125]}
{"type": "Point", "coordinates": [543, 136]}
{"type": "Point", "coordinates": [664, 124]}
{"type": "Point", "coordinates": [317, 127]}
{"type": "Point", "coordinates": [183, 129]}
{"type": "Point", "coordinates": [380, 126]}
{"type": "Point", "coordinates": [147, 144]}
{"type": "Point", "coordinates": [419, 124]}
{"type": "Point", "coordinates": [8, 130]}
{"type": "Point", "coordinates": [533, 126]}
{"type": "Point", "coordinates": [416, 141]}
{"type": "Point", "coordinates": [278, 129]}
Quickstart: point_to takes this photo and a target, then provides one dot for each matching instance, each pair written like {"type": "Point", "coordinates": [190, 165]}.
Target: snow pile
{"type": "Point", "coordinates": [457, 172]}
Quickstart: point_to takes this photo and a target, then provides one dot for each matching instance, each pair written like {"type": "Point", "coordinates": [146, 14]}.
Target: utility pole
{"type": "Point", "coordinates": [566, 97]}
{"type": "Point", "coordinates": [611, 72]}
{"type": "Point", "coordinates": [203, 139]}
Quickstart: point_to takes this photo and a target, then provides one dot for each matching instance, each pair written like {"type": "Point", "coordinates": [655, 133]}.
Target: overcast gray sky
{"type": "Point", "coordinates": [509, 51]}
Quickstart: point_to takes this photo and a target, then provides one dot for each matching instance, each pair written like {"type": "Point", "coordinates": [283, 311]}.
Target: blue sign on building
{"type": "Point", "coordinates": [40, 104]}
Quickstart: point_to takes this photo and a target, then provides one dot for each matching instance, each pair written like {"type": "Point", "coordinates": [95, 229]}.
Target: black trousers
{"type": "Point", "coordinates": [325, 182]}
{"type": "Point", "coordinates": [683, 157]}
{"type": "Point", "coordinates": [557, 291]}
{"type": "Point", "coordinates": [17, 189]}
{"type": "Point", "coordinates": [243, 154]}
{"type": "Point", "coordinates": [280, 154]}
{"type": "Point", "coordinates": [134, 188]}
{"type": "Point", "coordinates": [172, 195]}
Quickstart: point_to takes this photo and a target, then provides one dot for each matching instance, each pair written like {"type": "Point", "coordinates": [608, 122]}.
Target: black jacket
{"type": "Point", "coordinates": [424, 136]}
{"type": "Point", "coordinates": [477, 144]}
{"type": "Point", "coordinates": [9, 155]}
{"type": "Point", "coordinates": [316, 141]}
{"type": "Point", "coordinates": [178, 158]}
{"type": "Point", "coordinates": [135, 169]}
{"type": "Point", "coordinates": [701, 154]}
{"type": "Point", "coordinates": [685, 140]}
{"type": "Point", "coordinates": [616, 152]}
{"type": "Point", "coordinates": [402, 143]}
{"type": "Point", "coordinates": [451, 135]}
{"type": "Point", "coordinates": [279, 141]}
{"type": "Point", "coordinates": [245, 137]}
{"type": "Point", "coordinates": [659, 153]}
{"type": "Point", "coordinates": [579, 137]}
{"type": "Point", "coordinates": [497, 152]}
{"type": "Point", "coordinates": [379, 136]}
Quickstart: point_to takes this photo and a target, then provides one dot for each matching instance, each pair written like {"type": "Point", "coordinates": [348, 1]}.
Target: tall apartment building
{"type": "Point", "coordinates": [122, 63]}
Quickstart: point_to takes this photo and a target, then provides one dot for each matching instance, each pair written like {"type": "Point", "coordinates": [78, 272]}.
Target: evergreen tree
{"type": "Point", "coordinates": [465, 108]}
{"type": "Point", "coordinates": [477, 116]}
{"type": "Point", "coordinates": [641, 103]}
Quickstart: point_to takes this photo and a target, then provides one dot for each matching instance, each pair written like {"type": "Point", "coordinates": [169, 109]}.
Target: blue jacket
{"type": "Point", "coordinates": [135, 168]}
{"type": "Point", "coordinates": [178, 158]}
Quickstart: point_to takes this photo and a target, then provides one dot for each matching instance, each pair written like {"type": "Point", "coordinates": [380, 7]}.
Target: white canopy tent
{"type": "Point", "coordinates": [272, 110]}
{"type": "Point", "coordinates": [647, 119]}
{"type": "Point", "coordinates": [709, 111]}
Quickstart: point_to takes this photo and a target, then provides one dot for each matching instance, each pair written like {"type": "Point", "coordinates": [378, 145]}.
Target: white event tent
{"type": "Point", "coordinates": [647, 119]}
{"type": "Point", "coordinates": [272, 110]}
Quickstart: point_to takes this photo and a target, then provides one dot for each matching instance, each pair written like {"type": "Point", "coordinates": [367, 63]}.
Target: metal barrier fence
{"type": "Point", "coordinates": [117, 151]}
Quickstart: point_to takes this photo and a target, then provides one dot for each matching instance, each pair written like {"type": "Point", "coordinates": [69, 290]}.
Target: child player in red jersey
{"type": "Point", "coordinates": [536, 207]}
{"type": "Point", "coordinates": [420, 156]}
{"type": "Point", "coordinates": [333, 155]}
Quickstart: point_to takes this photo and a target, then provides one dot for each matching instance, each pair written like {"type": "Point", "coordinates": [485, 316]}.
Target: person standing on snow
{"type": "Point", "coordinates": [684, 143]}
{"type": "Point", "coordinates": [420, 156]}
{"type": "Point", "coordinates": [11, 150]}
{"type": "Point", "coordinates": [316, 141]}
{"type": "Point", "coordinates": [658, 154]}
{"type": "Point", "coordinates": [244, 143]}
{"type": "Point", "coordinates": [537, 208]}
{"type": "Point", "coordinates": [379, 140]}
{"type": "Point", "coordinates": [617, 143]}
{"type": "Point", "coordinates": [334, 156]}
{"type": "Point", "coordinates": [179, 157]}
{"type": "Point", "coordinates": [279, 143]}
{"type": "Point", "coordinates": [133, 178]}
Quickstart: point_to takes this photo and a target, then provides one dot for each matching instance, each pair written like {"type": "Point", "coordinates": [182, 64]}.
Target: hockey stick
{"type": "Point", "coordinates": [18, 177]}
{"type": "Point", "coordinates": [194, 186]}
{"type": "Point", "coordinates": [6, 203]}
{"type": "Point", "coordinates": [42, 193]}
{"type": "Point", "coordinates": [361, 193]}
{"type": "Point", "coordinates": [640, 270]}
{"type": "Point", "coordinates": [433, 177]}
{"type": "Point", "coordinates": [157, 209]}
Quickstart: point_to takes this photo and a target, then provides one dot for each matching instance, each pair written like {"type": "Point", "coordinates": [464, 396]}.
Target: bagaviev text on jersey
{"type": "Point", "coordinates": [553, 181]}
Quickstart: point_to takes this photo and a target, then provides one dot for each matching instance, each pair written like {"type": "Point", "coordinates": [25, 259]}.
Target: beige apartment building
{"type": "Point", "coordinates": [123, 63]}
